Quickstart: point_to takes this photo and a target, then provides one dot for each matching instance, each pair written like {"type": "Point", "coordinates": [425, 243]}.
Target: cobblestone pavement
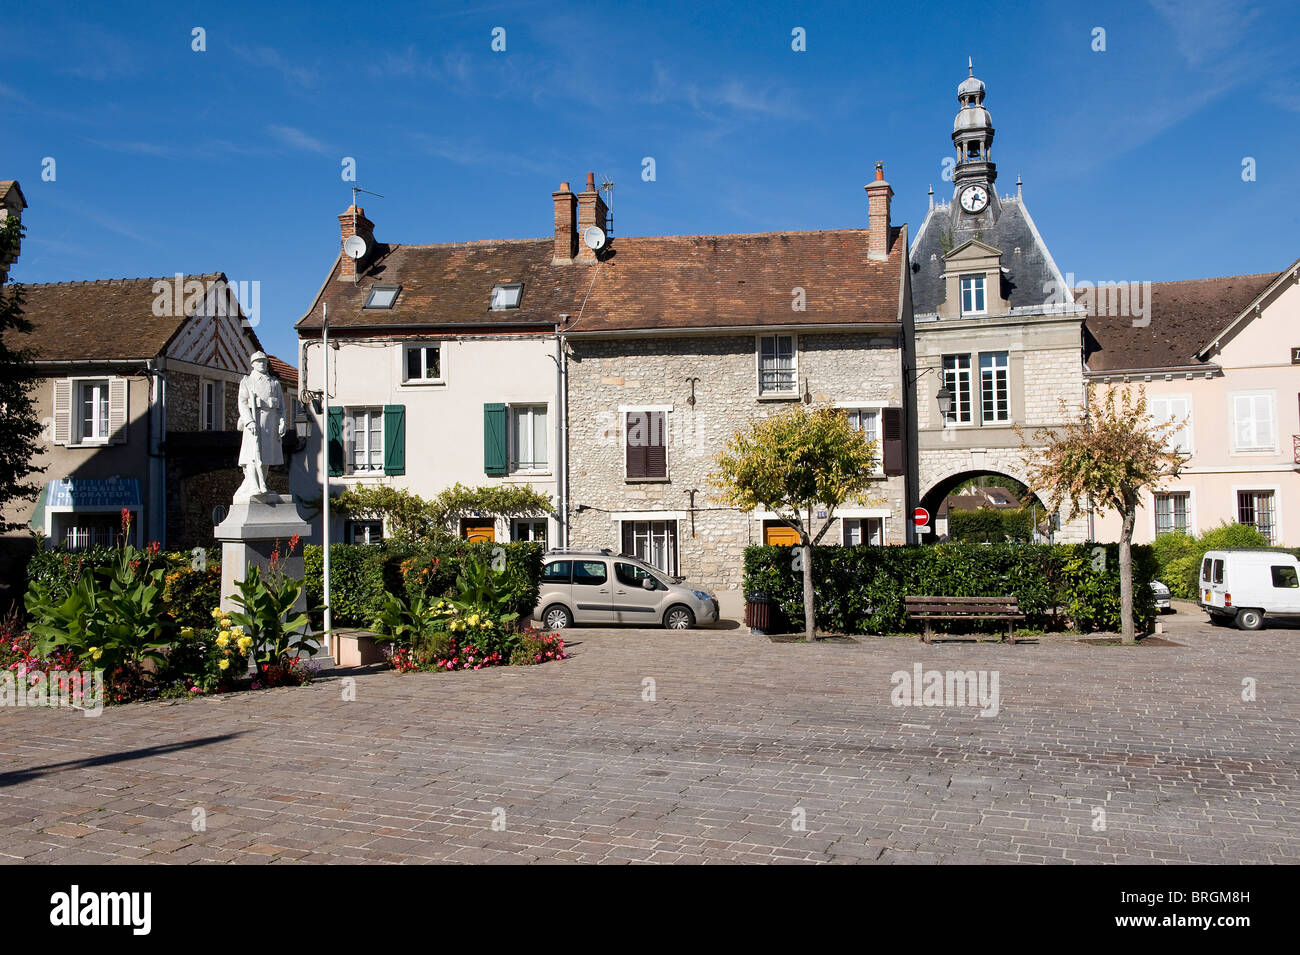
{"type": "Point", "coordinates": [743, 739]}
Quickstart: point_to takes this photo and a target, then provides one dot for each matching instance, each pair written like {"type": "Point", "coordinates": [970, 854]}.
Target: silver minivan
{"type": "Point", "coordinates": [597, 586]}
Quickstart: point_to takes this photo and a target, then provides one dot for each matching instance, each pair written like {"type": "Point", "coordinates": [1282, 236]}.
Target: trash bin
{"type": "Point", "coordinates": [758, 612]}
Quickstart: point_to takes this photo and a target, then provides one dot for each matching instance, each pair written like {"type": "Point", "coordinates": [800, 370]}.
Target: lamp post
{"type": "Point", "coordinates": [945, 402]}
{"type": "Point", "coordinates": [325, 472]}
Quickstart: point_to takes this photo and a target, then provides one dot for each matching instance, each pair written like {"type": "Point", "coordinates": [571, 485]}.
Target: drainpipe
{"type": "Point", "coordinates": [562, 446]}
{"type": "Point", "coordinates": [156, 528]}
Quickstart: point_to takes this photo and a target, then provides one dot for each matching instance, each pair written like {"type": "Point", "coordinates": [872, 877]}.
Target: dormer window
{"type": "Point", "coordinates": [972, 295]}
{"type": "Point", "coordinates": [506, 296]}
{"type": "Point", "coordinates": [382, 296]}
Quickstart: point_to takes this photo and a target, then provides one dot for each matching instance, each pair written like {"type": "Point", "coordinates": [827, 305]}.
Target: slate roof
{"type": "Point", "coordinates": [1184, 316]}
{"type": "Point", "coordinates": [108, 319]}
{"type": "Point", "coordinates": [644, 283]}
{"type": "Point", "coordinates": [1031, 274]}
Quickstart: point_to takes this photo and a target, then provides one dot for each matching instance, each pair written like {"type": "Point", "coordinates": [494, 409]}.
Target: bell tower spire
{"type": "Point", "coordinates": [972, 133]}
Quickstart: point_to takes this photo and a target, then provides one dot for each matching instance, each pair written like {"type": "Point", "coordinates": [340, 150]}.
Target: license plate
{"type": "Point", "coordinates": [1207, 596]}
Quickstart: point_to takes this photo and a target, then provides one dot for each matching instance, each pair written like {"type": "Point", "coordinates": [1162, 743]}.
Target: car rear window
{"type": "Point", "coordinates": [1218, 571]}
{"type": "Point", "coordinates": [589, 572]}
{"type": "Point", "coordinates": [1205, 568]}
{"type": "Point", "coordinates": [557, 572]}
{"type": "Point", "coordinates": [1284, 576]}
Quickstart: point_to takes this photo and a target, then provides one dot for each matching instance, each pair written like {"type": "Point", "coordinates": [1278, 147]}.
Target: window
{"type": "Point", "coordinates": [557, 572]}
{"type": "Point", "coordinates": [654, 542]}
{"type": "Point", "coordinates": [956, 378]}
{"type": "Point", "coordinates": [776, 365]}
{"type": "Point", "coordinates": [213, 414]}
{"type": "Point", "coordinates": [1252, 421]}
{"type": "Point", "coordinates": [868, 530]}
{"type": "Point", "coordinates": [646, 439]}
{"type": "Point", "coordinates": [1171, 513]}
{"type": "Point", "coordinates": [382, 296]}
{"type": "Point", "coordinates": [995, 390]}
{"type": "Point", "coordinates": [589, 573]}
{"type": "Point", "coordinates": [85, 531]}
{"type": "Point", "coordinates": [1170, 408]}
{"type": "Point", "coordinates": [529, 530]}
{"type": "Point", "coordinates": [506, 296]}
{"type": "Point", "coordinates": [364, 440]}
{"type": "Point", "coordinates": [528, 438]}
{"type": "Point", "coordinates": [1218, 571]}
{"type": "Point", "coordinates": [972, 295]}
{"type": "Point", "coordinates": [630, 575]}
{"type": "Point", "coordinates": [92, 410]}
{"type": "Point", "coordinates": [364, 532]}
{"type": "Point", "coordinates": [1285, 576]}
{"type": "Point", "coordinates": [867, 420]}
{"type": "Point", "coordinates": [1256, 509]}
{"type": "Point", "coordinates": [1206, 564]}
{"type": "Point", "coordinates": [423, 363]}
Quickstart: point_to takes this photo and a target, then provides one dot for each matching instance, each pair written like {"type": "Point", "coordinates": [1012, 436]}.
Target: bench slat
{"type": "Point", "coordinates": [925, 598]}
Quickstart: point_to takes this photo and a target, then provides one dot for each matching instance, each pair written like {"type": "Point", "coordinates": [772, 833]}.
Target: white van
{"type": "Point", "coordinates": [1244, 585]}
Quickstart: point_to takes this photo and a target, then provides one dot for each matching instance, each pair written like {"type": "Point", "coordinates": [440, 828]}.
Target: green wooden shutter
{"type": "Point", "coordinates": [494, 439]}
{"type": "Point", "coordinates": [394, 439]}
{"type": "Point", "coordinates": [334, 441]}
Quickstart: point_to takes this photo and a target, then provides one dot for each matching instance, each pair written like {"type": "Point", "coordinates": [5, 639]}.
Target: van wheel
{"type": "Point", "coordinates": [557, 617]}
{"type": "Point", "coordinates": [1250, 619]}
{"type": "Point", "coordinates": [679, 618]}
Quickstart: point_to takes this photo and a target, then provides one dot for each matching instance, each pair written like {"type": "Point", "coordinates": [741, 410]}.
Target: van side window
{"type": "Point", "coordinates": [630, 574]}
{"type": "Point", "coordinates": [557, 572]}
{"type": "Point", "coordinates": [1218, 571]}
{"type": "Point", "coordinates": [1205, 568]}
{"type": "Point", "coordinates": [1285, 576]}
{"type": "Point", "coordinates": [592, 573]}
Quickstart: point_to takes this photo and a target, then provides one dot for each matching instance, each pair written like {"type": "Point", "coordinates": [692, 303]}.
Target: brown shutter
{"type": "Point", "coordinates": [657, 449]}
{"type": "Point", "coordinates": [62, 411]}
{"type": "Point", "coordinates": [634, 438]}
{"type": "Point", "coordinates": [891, 429]}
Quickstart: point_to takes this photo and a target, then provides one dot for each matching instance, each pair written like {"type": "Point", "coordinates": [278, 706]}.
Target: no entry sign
{"type": "Point", "coordinates": [920, 516]}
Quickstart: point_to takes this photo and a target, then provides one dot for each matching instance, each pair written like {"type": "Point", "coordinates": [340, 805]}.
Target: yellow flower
{"type": "Point", "coordinates": [187, 633]}
{"type": "Point", "coordinates": [473, 620]}
{"type": "Point", "coordinates": [245, 643]}
{"type": "Point", "coordinates": [223, 639]}
{"type": "Point", "coordinates": [223, 665]}
{"type": "Point", "coordinates": [217, 613]}
{"type": "Point", "coordinates": [95, 653]}
{"type": "Point", "coordinates": [225, 623]}
{"type": "Point", "coordinates": [237, 632]}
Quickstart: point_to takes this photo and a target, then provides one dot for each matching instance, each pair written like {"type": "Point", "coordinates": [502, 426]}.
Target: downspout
{"type": "Point", "coordinates": [562, 446]}
{"type": "Point", "coordinates": [157, 469]}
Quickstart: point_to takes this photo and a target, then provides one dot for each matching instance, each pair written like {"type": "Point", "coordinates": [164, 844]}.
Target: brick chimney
{"type": "Point", "coordinates": [566, 224]}
{"type": "Point", "coordinates": [354, 222]}
{"type": "Point", "coordinates": [12, 203]}
{"type": "Point", "coordinates": [878, 196]}
{"type": "Point", "coordinates": [592, 211]}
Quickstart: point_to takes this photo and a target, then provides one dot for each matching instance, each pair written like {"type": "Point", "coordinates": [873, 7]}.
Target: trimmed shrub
{"type": "Point", "coordinates": [863, 589]}
{"type": "Point", "coordinates": [361, 574]}
{"type": "Point", "coordinates": [991, 524]}
{"type": "Point", "coordinates": [1179, 555]}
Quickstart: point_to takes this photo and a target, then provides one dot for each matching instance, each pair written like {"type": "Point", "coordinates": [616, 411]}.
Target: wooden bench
{"type": "Point", "coordinates": [930, 609]}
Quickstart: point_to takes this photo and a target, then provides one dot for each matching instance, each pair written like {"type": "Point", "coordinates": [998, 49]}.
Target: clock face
{"type": "Point", "coordinates": [974, 198]}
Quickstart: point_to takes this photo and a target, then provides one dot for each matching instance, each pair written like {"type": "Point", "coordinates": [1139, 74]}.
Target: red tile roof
{"type": "Point", "coordinates": [1184, 316]}
{"type": "Point", "coordinates": [100, 320]}
{"type": "Point", "coordinates": [287, 374]}
{"type": "Point", "coordinates": [644, 283]}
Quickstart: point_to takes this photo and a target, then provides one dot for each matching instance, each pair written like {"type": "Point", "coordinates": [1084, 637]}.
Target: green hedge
{"type": "Point", "coordinates": [61, 569]}
{"type": "Point", "coordinates": [862, 589]}
{"type": "Point", "coordinates": [360, 574]}
{"type": "Point", "coordinates": [989, 524]}
{"type": "Point", "coordinates": [1179, 555]}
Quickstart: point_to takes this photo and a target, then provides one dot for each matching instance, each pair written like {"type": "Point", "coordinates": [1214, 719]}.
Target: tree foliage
{"type": "Point", "coordinates": [1109, 455]}
{"type": "Point", "coordinates": [410, 517]}
{"type": "Point", "coordinates": [795, 464]}
{"type": "Point", "coordinates": [18, 420]}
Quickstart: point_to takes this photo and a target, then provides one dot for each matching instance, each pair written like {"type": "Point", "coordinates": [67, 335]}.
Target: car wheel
{"type": "Point", "coordinates": [679, 618]}
{"type": "Point", "coordinates": [557, 617]}
{"type": "Point", "coordinates": [1250, 619]}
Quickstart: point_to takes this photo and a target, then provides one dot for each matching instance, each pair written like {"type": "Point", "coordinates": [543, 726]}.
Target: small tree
{"type": "Point", "coordinates": [18, 421]}
{"type": "Point", "coordinates": [794, 464]}
{"type": "Point", "coordinates": [1109, 456]}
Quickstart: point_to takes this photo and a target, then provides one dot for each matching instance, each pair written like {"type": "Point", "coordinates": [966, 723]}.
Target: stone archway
{"type": "Point", "coordinates": [933, 497]}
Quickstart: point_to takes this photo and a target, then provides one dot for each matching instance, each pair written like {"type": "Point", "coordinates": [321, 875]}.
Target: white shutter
{"type": "Point", "coordinates": [1264, 421]}
{"type": "Point", "coordinates": [117, 390]}
{"type": "Point", "coordinates": [62, 411]}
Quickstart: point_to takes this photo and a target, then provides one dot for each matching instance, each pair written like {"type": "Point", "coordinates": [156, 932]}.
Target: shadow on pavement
{"type": "Point", "coordinates": [24, 775]}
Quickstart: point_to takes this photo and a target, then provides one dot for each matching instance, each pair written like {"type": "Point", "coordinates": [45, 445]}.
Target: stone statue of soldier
{"type": "Point", "coordinates": [262, 424]}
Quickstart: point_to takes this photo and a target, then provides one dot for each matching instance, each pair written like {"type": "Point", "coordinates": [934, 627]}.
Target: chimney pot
{"type": "Point", "coordinates": [566, 224]}
{"type": "Point", "coordinates": [354, 222]}
{"type": "Point", "coordinates": [878, 196]}
{"type": "Point", "coordinates": [592, 211]}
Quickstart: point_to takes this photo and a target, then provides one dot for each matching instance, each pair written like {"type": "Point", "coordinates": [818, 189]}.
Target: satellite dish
{"type": "Point", "coordinates": [594, 237]}
{"type": "Point", "coordinates": [354, 247]}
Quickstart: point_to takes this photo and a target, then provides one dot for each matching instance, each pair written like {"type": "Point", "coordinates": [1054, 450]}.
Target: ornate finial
{"type": "Point", "coordinates": [970, 65]}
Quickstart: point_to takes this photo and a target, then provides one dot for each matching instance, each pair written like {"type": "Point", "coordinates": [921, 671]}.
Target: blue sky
{"type": "Point", "coordinates": [170, 160]}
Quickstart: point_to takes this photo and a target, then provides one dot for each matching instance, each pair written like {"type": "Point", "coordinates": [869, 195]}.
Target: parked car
{"type": "Point", "coordinates": [1162, 595]}
{"type": "Point", "coordinates": [598, 586]}
{"type": "Point", "coordinates": [1242, 586]}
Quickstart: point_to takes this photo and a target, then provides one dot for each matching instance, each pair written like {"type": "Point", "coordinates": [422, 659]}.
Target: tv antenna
{"type": "Point", "coordinates": [607, 187]}
{"type": "Point", "coordinates": [355, 246]}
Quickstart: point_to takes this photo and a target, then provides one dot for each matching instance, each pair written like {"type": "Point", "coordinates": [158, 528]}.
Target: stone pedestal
{"type": "Point", "coordinates": [250, 534]}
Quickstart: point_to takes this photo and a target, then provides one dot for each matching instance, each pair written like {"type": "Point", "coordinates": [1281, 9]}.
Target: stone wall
{"type": "Point", "coordinates": [606, 376]}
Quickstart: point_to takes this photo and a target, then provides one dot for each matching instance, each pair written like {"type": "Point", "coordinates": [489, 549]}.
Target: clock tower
{"type": "Point", "coordinates": [972, 136]}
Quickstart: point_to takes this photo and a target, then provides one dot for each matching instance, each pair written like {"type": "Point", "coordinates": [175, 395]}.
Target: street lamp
{"type": "Point", "coordinates": [945, 401]}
